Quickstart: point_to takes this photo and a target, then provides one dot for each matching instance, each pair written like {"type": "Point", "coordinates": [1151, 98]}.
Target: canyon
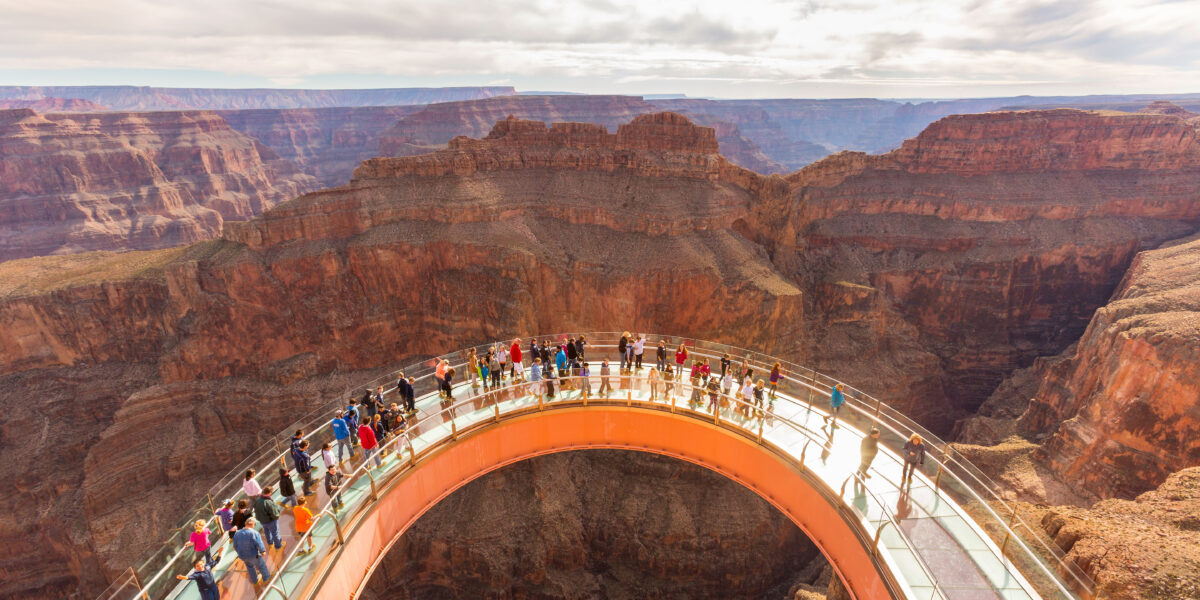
{"type": "Point", "coordinates": [464, 547]}
{"type": "Point", "coordinates": [431, 128]}
{"type": "Point", "coordinates": [929, 275]}
{"type": "Point", "coordinates": [72, 182]}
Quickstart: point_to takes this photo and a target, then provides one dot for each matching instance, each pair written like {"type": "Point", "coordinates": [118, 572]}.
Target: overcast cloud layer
{"type": "Point", "coordinates": [748, 48]}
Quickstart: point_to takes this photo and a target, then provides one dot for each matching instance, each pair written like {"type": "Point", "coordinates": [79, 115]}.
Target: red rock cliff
{"type": "Point", "coordinates": [923, 284]}
{"type": "Point", "coordinates": [327, 143]}
{"type": "Point", "coordinates": [1122, 409]}
{"type": "Point", "coordinates": [89, 181]}
{"type": "Point", "coordinates": [628, 229]}
{"type": "Point", "coordinates": [429, 129]}
{"type": "Point", "coordinates": [951, 264]}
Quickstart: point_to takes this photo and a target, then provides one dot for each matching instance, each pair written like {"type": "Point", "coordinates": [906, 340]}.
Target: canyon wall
{"type": "Point", "coordinates": [327, 143]}
{"type": "Point", "coordinates": [142, 98]}
{"type": "Point", "coordinates": [431, 128]}
{"type": "Point", "coordinates": [1121, 410]}
{"type": "Point", "coordinates": [597, 524]}
{"type": "Point", "coordinates": [415, 256]}
{"type": "Point", "coordinates": [925, 276]}
{"type": "Point", "coordinates": [983, 243]}
{"type": "Point", "coordinates": [72, 182]}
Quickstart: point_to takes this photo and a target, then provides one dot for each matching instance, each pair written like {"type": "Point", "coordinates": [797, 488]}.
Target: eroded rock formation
{"type": "Point", "coordinates": [925, 275]}
{"type": "Point", "coordinates": [944, 265]}
{"type": "Point", "coordinates": [416, 256]}
{"type": "Point", "coordinates": [431, 128]}
{"type": "Point", "coordinates": [1122, 409]}
{"type": "Point", "coordinates": [71, 182]}
{"type": "Point", "coordinates": [327, 143]}
{"type": "Point", "coordinates": [597, 524]}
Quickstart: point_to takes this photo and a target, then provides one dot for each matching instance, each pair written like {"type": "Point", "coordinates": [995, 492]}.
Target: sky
{"type": "Point", "coordinates": [723, 49]}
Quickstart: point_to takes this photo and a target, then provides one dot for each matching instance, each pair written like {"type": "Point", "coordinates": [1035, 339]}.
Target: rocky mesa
{"type": "Point", "coordinates": [71, 182]}
{"type": "Point", "coordinates": [531, 229]}
{"type": "Point", "coordinates": [926, 275]}
{"type": "Point", "coordinates": [431, 128]}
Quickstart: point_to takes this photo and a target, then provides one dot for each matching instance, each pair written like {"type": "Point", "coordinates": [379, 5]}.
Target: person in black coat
{"type": "Point", "coordinates": [287, 488]}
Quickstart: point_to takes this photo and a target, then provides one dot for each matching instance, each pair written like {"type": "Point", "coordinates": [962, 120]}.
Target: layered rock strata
{"type": "Point", "coordinates": [532, 229]}
{"type": "Point", "coordinates": [983, 243]}
{"type": "Point", "coordinates": [71, 182]}
{"type": "Point", "coordinates": [924, 276]}
{"type": "Point", "coordinates": [431, 128]}
{"type": "Point", "coordinates": [1122, 409]}
{"type": "Point", "coordinates": [327, 143]}
{"type": "Point", "coordinates": [597, 524]}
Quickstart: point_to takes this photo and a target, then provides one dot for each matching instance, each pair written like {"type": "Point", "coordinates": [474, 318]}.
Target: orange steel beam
{"type": "Point", "coordinates": [767, 473]}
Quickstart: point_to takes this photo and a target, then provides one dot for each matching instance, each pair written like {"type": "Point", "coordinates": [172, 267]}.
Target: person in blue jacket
{"type": "Point", "coordinates": [341, 431]}
{"type": "Point", "coordinates": [203, 576]}
{"type": "Point", "coordinates": [836, 400]}
{"type": "Point", "coordinates": [249, 547]}
{"type": "Point", "coordinates": [352, 417]}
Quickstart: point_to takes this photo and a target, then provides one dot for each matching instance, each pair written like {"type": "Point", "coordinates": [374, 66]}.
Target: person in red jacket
{"type": "Point", "coordinates": [370, 444]}
{"type": "Point", "coordinates": [681, 355]}
{"type": "Point", "coordinates": [514, 355]}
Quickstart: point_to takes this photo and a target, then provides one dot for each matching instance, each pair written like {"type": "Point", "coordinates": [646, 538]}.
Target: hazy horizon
{"type": "Point", "coordinates": [905, 49]}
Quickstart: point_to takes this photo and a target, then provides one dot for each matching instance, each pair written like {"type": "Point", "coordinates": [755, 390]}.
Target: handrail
{"type": "Point", "coordinates": [316, 422]}
{"type": "Point", "coordinates": [365, 467]}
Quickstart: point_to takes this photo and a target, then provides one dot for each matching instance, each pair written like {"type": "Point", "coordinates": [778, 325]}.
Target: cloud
{"type": "Point", "coordinates": [627, 46]}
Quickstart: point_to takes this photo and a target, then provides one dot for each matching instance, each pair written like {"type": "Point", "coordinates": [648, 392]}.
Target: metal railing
{"type": "Point", "coordinates": [957, 477]}
{"type": "Point", "coordinates": [747, 418]}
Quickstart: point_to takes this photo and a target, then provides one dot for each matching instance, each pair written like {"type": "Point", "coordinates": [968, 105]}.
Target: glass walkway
{"type": "Point", "coordinates": [946, 534]}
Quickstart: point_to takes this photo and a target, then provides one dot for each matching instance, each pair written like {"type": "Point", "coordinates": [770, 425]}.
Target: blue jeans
{"type": "Point", "coordinates": [373, 452]}
{"type": "Point", "coordinates": [289, 501]}
{"type": "Point", "coordinates": [257, 564]}
{"type": "Point", "coordinates": [271, 534]}
{"type": "Point", "coordinates": [344, 443]}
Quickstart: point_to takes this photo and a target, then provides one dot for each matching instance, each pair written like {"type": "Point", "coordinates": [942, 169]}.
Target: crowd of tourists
{"type": "Point", "coordinates": [368, 422]}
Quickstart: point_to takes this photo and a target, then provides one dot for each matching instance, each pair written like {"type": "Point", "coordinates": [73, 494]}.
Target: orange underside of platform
{"type": "Point", "coordinates": [495, 446]}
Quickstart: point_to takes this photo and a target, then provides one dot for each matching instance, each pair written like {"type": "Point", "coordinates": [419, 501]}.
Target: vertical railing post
{"type": "Point", "coordinates": [1012, 517]}
{"type": "Point", "coordinates": [211, 505]}
{"type": "Point", "coordinates": [629, 394]}
{"type": "Point", "coordinates": [141, 590]}
{"type": "Point", "coordinates": [937, 481]}
{"type": "Point", "coordinates": [337, 526]}
{"type": "Point", "coordinates": [496, 412]}
{"type": "Point", "coordinates": [672, 394]}
{"type": "Point", "coordinates": [374, 491]}
{"type": "Point", "coordinates": [760, 429]}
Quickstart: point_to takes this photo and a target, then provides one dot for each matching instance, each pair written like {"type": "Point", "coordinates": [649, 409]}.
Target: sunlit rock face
{"type": "Point", "coordinates": [983, 243]}
{"type": "Point", "coordinates": [597, 524]}
{"type": "Point", "coordinates": [71, 182]}
{"type": "Point", "coordinates": [1122, 410]}
{"type": "Point", "coordinates": [924, 276]}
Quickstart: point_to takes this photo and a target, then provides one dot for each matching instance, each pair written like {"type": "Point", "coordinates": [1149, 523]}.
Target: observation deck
{"type": "Point", "coordinates": [946, 534]}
